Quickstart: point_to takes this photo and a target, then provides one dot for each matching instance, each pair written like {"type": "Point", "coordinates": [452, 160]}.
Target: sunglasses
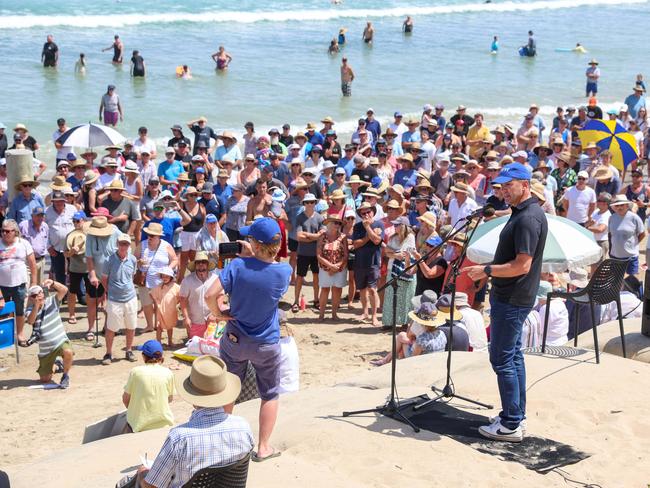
{"type": "Point", "coordinates": [76, 221]}
{"type": "Point", "coordinates": [158, 209]}
{"type": "Point", "coordinates": [309, 203]}
{"type": "Point", "coordinates": [7, 231]}
{"type": "Point", "coordinates": [582, 179]}
{"type": "Point", "coordinates": [365, 213]}
{"type": "Point", "coordinates": [154, 183]}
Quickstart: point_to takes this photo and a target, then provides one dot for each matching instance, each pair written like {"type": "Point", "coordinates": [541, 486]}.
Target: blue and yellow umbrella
{"type": "Point", "coordinates": [610, 134]}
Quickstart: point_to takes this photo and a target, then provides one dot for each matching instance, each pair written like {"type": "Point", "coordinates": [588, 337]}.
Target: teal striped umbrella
{"type": "Point", "coordinates": [568, 245]}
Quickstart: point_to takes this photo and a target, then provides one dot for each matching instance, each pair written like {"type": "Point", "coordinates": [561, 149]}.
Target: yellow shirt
{"type": "Point", "coordinates": [150, 387]}
{"type": "Point", "coordinates": [477, 134]}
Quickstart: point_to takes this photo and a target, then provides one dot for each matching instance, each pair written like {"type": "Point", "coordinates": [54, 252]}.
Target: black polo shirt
{"type": "Point", "coordinates": [524, 233]}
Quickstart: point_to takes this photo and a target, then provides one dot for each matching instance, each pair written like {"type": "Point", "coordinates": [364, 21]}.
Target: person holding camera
{"type": "Point", "coordinates": [48, 330]}
{"type": "Point", "coordinates": [254, 283]}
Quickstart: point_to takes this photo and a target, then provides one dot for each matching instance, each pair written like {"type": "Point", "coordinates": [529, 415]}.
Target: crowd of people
{"type": "Point", "coordinates": [134, 228]}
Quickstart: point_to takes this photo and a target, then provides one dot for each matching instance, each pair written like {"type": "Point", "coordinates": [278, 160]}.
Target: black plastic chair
{"type": "Point", "coordinates": [233, 475]}
{"type": "Point", "coordinates": [603, 287]}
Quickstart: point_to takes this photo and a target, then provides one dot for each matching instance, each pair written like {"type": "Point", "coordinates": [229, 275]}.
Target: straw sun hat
{"type": "Point", "coordinates": [201, 256]}
{"type": "Point", "coordinates": [208, 383]}
{"type": "Point", "coordinates": [99, 227]}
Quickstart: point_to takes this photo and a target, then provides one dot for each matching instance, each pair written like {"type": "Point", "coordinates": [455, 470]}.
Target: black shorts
{"type": "Point", "coordinates": [75, 282]}
{"type": "Point", "coordinates": [293, 245]}
{"type": "Point", "coordinates": [95, 292]}
{"type": "Point", "coordinates": [306, 263]}
{"type": "Point", "coordinates": [366, 277]}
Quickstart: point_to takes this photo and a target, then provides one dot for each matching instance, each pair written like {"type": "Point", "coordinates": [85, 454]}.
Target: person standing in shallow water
{"type": "Point", "coordinates": [407, 26]}
{"type": "Point", "coordinates": [118, 50]}
{"type": "Point", "coordinates": [347, 76]}
{"type": "Point", "coordinates": [222, 58]}
{"type": "Point", "coordinates": [138, 68]}
{"type": "Point", "coordinates": [368, 33]}
{"type": "Point", "coordinates": [50, 53]}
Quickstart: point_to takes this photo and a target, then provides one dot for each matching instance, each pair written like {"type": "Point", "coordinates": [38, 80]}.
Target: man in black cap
{"type": "Point", "coordinates": [515, 272]}
{"type": "Point", "coordinates": [286, 138]}
{"type": "Point", "coordinates": [177, 130]}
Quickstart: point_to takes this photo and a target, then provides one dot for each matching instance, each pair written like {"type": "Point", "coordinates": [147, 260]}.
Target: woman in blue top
{"type": "Point", "coordinates": [406, 175]}
{"type": "Point", "coordinates": [254, 283]}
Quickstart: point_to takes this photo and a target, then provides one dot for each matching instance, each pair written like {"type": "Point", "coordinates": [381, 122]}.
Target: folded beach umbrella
{"type": "Point", "coordinates": [610, 134]}
{"type": "Point", "coordinates": [90, 135]}
{"type": "Point", "coordinates": [568, 245]}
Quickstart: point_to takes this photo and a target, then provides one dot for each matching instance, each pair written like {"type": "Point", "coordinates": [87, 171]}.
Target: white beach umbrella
{"type": "Point", "coordinates": [568, 245]}
{"type": "Point", "coordinates": [90, 135]}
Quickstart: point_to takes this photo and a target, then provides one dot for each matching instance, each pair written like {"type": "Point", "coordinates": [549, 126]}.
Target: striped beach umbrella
{"type": "Point", "coordinates": [90, 135]}
{"type": "Point", "coordinates": [568, 245]}
{"type": "Point", "coordinates": [610, 134]}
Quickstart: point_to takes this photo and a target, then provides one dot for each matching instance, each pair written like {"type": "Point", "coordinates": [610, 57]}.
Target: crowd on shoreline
{"type": "Point", "coordinates": [132, 227]}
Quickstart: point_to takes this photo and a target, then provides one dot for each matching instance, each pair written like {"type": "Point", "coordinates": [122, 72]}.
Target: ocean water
{"type": "Point", "coordinates": [281, 70]}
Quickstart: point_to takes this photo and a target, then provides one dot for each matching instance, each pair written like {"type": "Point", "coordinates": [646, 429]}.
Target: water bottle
{"type": "Point", "coordinates": [303, 304]}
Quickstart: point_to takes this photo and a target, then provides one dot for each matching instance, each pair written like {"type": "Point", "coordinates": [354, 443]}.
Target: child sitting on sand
{"type": "Point", "coordinates": [165, 296]}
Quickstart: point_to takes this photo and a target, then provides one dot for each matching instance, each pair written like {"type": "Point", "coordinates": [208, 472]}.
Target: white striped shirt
{"type": "Point", "coordinates": [48, 328]}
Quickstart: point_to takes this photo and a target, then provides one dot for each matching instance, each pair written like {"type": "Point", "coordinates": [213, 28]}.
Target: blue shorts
{"type": "Point", "coordinates": [237, 349]}
{"type": "Point", "coordinates": [592, 87]}
{"type": "Point", "coordinates": [632, 264]}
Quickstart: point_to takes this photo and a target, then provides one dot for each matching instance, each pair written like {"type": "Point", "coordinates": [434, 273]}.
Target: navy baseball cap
{"type": "Point", "coordinates": [263, 230]}
{"type": "Point", "coordinates": [152, 349]}
{"type": "Point", "coordinates": [513, 171]}
{"type": "Point", "coordinates": [397, 114]}
{"type": "Point", "coordinates": [38, 211]}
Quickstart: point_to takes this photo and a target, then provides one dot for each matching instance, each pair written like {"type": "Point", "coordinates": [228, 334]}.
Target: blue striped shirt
{"type": "Point", "coordinates": [210, 438]}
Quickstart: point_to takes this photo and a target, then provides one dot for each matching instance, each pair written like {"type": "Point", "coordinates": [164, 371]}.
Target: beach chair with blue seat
{"type": "Point", "coordinates": [8, 331]}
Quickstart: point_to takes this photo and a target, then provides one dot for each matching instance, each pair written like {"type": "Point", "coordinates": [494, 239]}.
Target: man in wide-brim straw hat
{"type": "Point", "coordinates": [193, 289]}
{"type": "Point", "coordinates": [219, 437]}
{"type": "Point", "coordinates": [25, 200]}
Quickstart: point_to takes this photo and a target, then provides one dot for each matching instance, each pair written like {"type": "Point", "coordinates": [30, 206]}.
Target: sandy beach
{"type": "Point", "coordinates": [599, 410]}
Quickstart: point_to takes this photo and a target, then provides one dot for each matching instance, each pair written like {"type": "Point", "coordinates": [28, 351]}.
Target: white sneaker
{"type": "Point", "coordinates": [498, 432]}
{"type": "Point", "coordinates": [523, 424]}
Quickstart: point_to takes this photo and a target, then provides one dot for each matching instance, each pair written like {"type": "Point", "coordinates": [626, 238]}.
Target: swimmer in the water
{"type": "Point", "coordinates": [368, 33]}
{"type": "Point", "coordinates": [138, 68]}
{"type": "Point", "coordinates": [118, 50]}
{"type": "Point", "coordinates": [222, 58]}
{"type": "Point", "coordinates": [334, 47]}
{"type": "Point", "coordinates": [184, 72]}
{"type": "Point", "coordinates": [407, 26]}
{"type": "Point", "coordinates": [579, 48]}
{"type": "Point", "coordinates": [341, 39]}
{"type": "Point", "coordinates": [495, 45]}
{"type": "Point", "coordinates": [80, 65]}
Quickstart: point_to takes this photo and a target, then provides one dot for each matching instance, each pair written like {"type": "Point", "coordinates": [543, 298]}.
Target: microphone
{"type": "Point", "coordinates": [477, 213]}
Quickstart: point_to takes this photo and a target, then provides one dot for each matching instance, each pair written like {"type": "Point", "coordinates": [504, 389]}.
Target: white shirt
{"type": "Point", "coordinates": [457, 212]}
{"type": "Point", "coordinates": [61, 153]}
{"type": "Point", "coordinates": [13, 262]}
{"type": "Point", "coordinates": [630, 306]}
{"type": "Point", "coordinates": [579, 201]}
{"type": "Point", "coordinates": [558, 323]}
{"type": "Point", "coordinates": [428, 156]}
{"type": "Point", "coordinates": [194, 290]}
{"type": "Point", "coordinates": [60, 225]}
{"type": "Point", "coordinates": [398, 129]}
{"type": "Point", "coordinates": [475, 326]}
{"type": "Point", "coordinates": [601, 218]}
{"type": "Point", "coordinates": [139, 146]}
{"type": "Point", "coordinates": [104, 180]}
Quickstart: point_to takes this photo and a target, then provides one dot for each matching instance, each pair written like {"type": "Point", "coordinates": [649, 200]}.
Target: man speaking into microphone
{"type": "Point", "coordinates": [515, 274]}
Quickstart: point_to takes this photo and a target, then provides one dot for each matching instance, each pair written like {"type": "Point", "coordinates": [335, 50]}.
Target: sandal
{"type": "Point", "coordinates": [255, 458]}
{"type": "Point", "coordinates": [295, 308]}
{"type": "Point", "coordinates": [89, 336]}
{"type": "Point", "coordinates": [23, 343]}
{"type": "Point", "coordinates": [72, 320]}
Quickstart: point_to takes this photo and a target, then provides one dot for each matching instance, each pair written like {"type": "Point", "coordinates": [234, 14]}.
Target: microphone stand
{"type": "Point", "coordinates": [448, 391]}
{"type": "Point", "coordinates": [393, 405]}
